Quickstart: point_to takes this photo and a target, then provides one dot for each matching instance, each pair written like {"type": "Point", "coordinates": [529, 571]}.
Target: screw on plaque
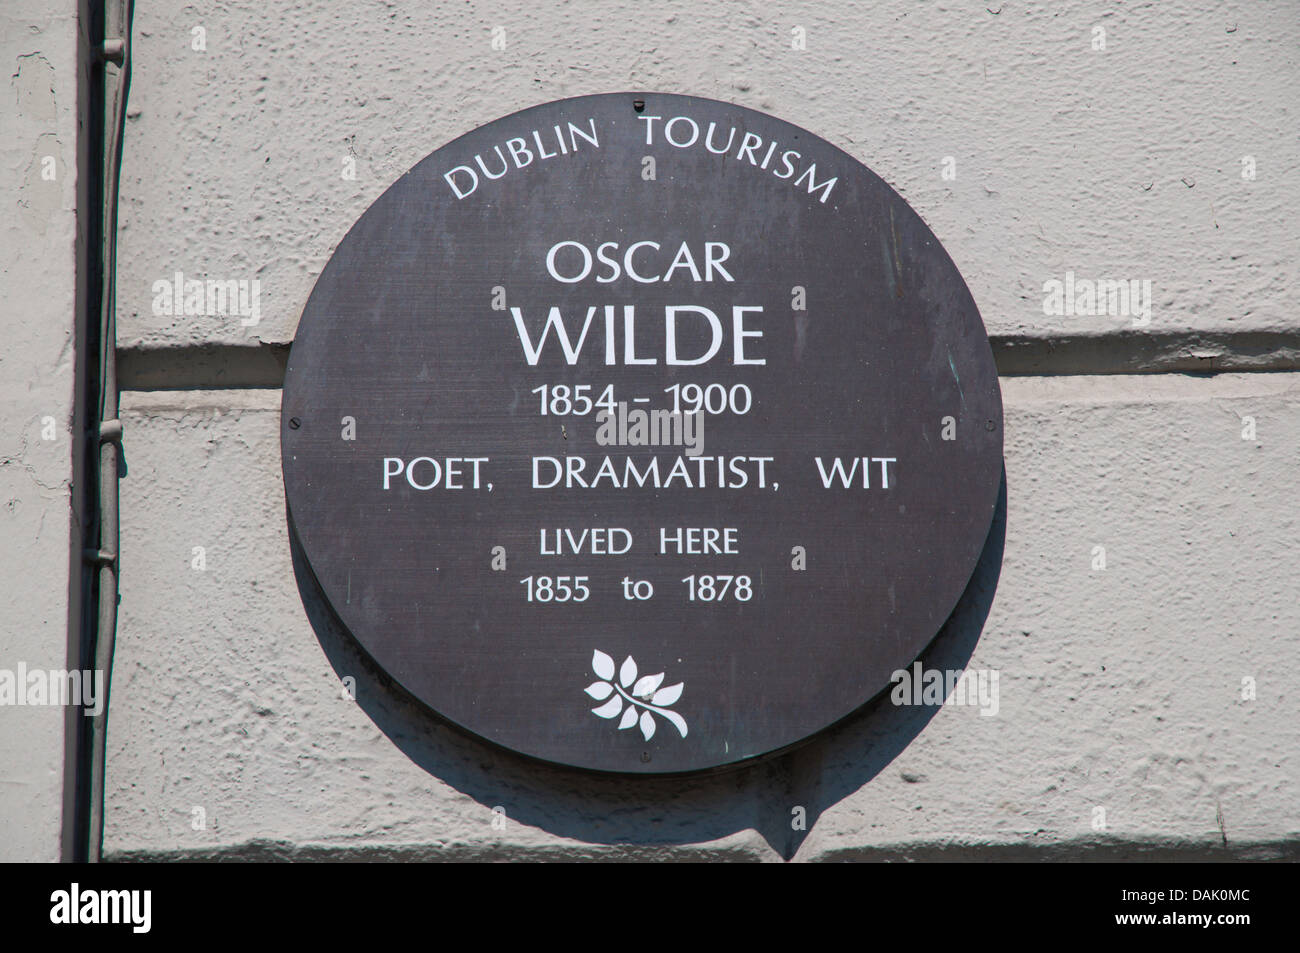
{"type": "Point", "coordinates": [638, 105]}
{"type": "Point", "coordinates": [294, 423]}
{"type": "Point", "coordinates": [645, 757]}
{"type": "Point", "coordinates": [988, 425]}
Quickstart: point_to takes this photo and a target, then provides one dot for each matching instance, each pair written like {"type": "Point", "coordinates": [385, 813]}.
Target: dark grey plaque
{"type": "Point", "coordinates": [432, 433]}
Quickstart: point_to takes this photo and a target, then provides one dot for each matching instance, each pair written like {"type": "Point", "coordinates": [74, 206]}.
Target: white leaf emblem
{"type": "Point", "coordinates": [644, 700]}
{"type": "Point", "coordinates": [602, 665]}
{"type": "Point", "coordinates": [645, 687]}
{"type": "Point", "coordinates": [666, 696]}
{"type": "Point", "coordinates": [627, 674]}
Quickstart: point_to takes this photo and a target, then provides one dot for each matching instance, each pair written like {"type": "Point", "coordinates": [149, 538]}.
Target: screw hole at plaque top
{"type": "Point", "coordinates": [638, 105]}
{"type": "Point", "coordinates": [294, 423]}
{"type": "Point", "coordinates": [988, 425]}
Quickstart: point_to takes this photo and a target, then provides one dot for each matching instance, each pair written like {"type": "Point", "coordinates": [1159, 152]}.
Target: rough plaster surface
{"type": "Point", "coordinates": [1119, 688]}
{"type": "Point", "coordinates": [38, 233]}
{"type": "Point", "coordinates": [1121, 163]}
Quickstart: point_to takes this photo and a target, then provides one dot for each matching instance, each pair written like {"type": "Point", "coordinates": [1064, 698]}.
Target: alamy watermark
{"type": "Point", "coordinates": [179, 295]}
{"type": "Point", "coordinates": [39, 686]}
{"type": "Point", "coordinates": [651, 428]}
{"type": "Point", "coordinates": [78, 905]}
{"type": "Point", "coordinates": [921, 686]}
{"type": "Point", "coordinates": [1117, 298]}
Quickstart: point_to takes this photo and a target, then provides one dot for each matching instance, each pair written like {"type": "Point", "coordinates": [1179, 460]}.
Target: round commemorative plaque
{"type": "Point", "coordinates": [641, 433]}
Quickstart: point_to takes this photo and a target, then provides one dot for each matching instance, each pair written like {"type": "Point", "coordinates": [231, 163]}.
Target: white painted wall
{"type": "Point", "coordinates": [1120, 689]}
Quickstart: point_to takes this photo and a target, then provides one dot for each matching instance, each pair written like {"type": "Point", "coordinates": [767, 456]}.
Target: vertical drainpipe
{"type": "Point", "coordinates": [106, 35]}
